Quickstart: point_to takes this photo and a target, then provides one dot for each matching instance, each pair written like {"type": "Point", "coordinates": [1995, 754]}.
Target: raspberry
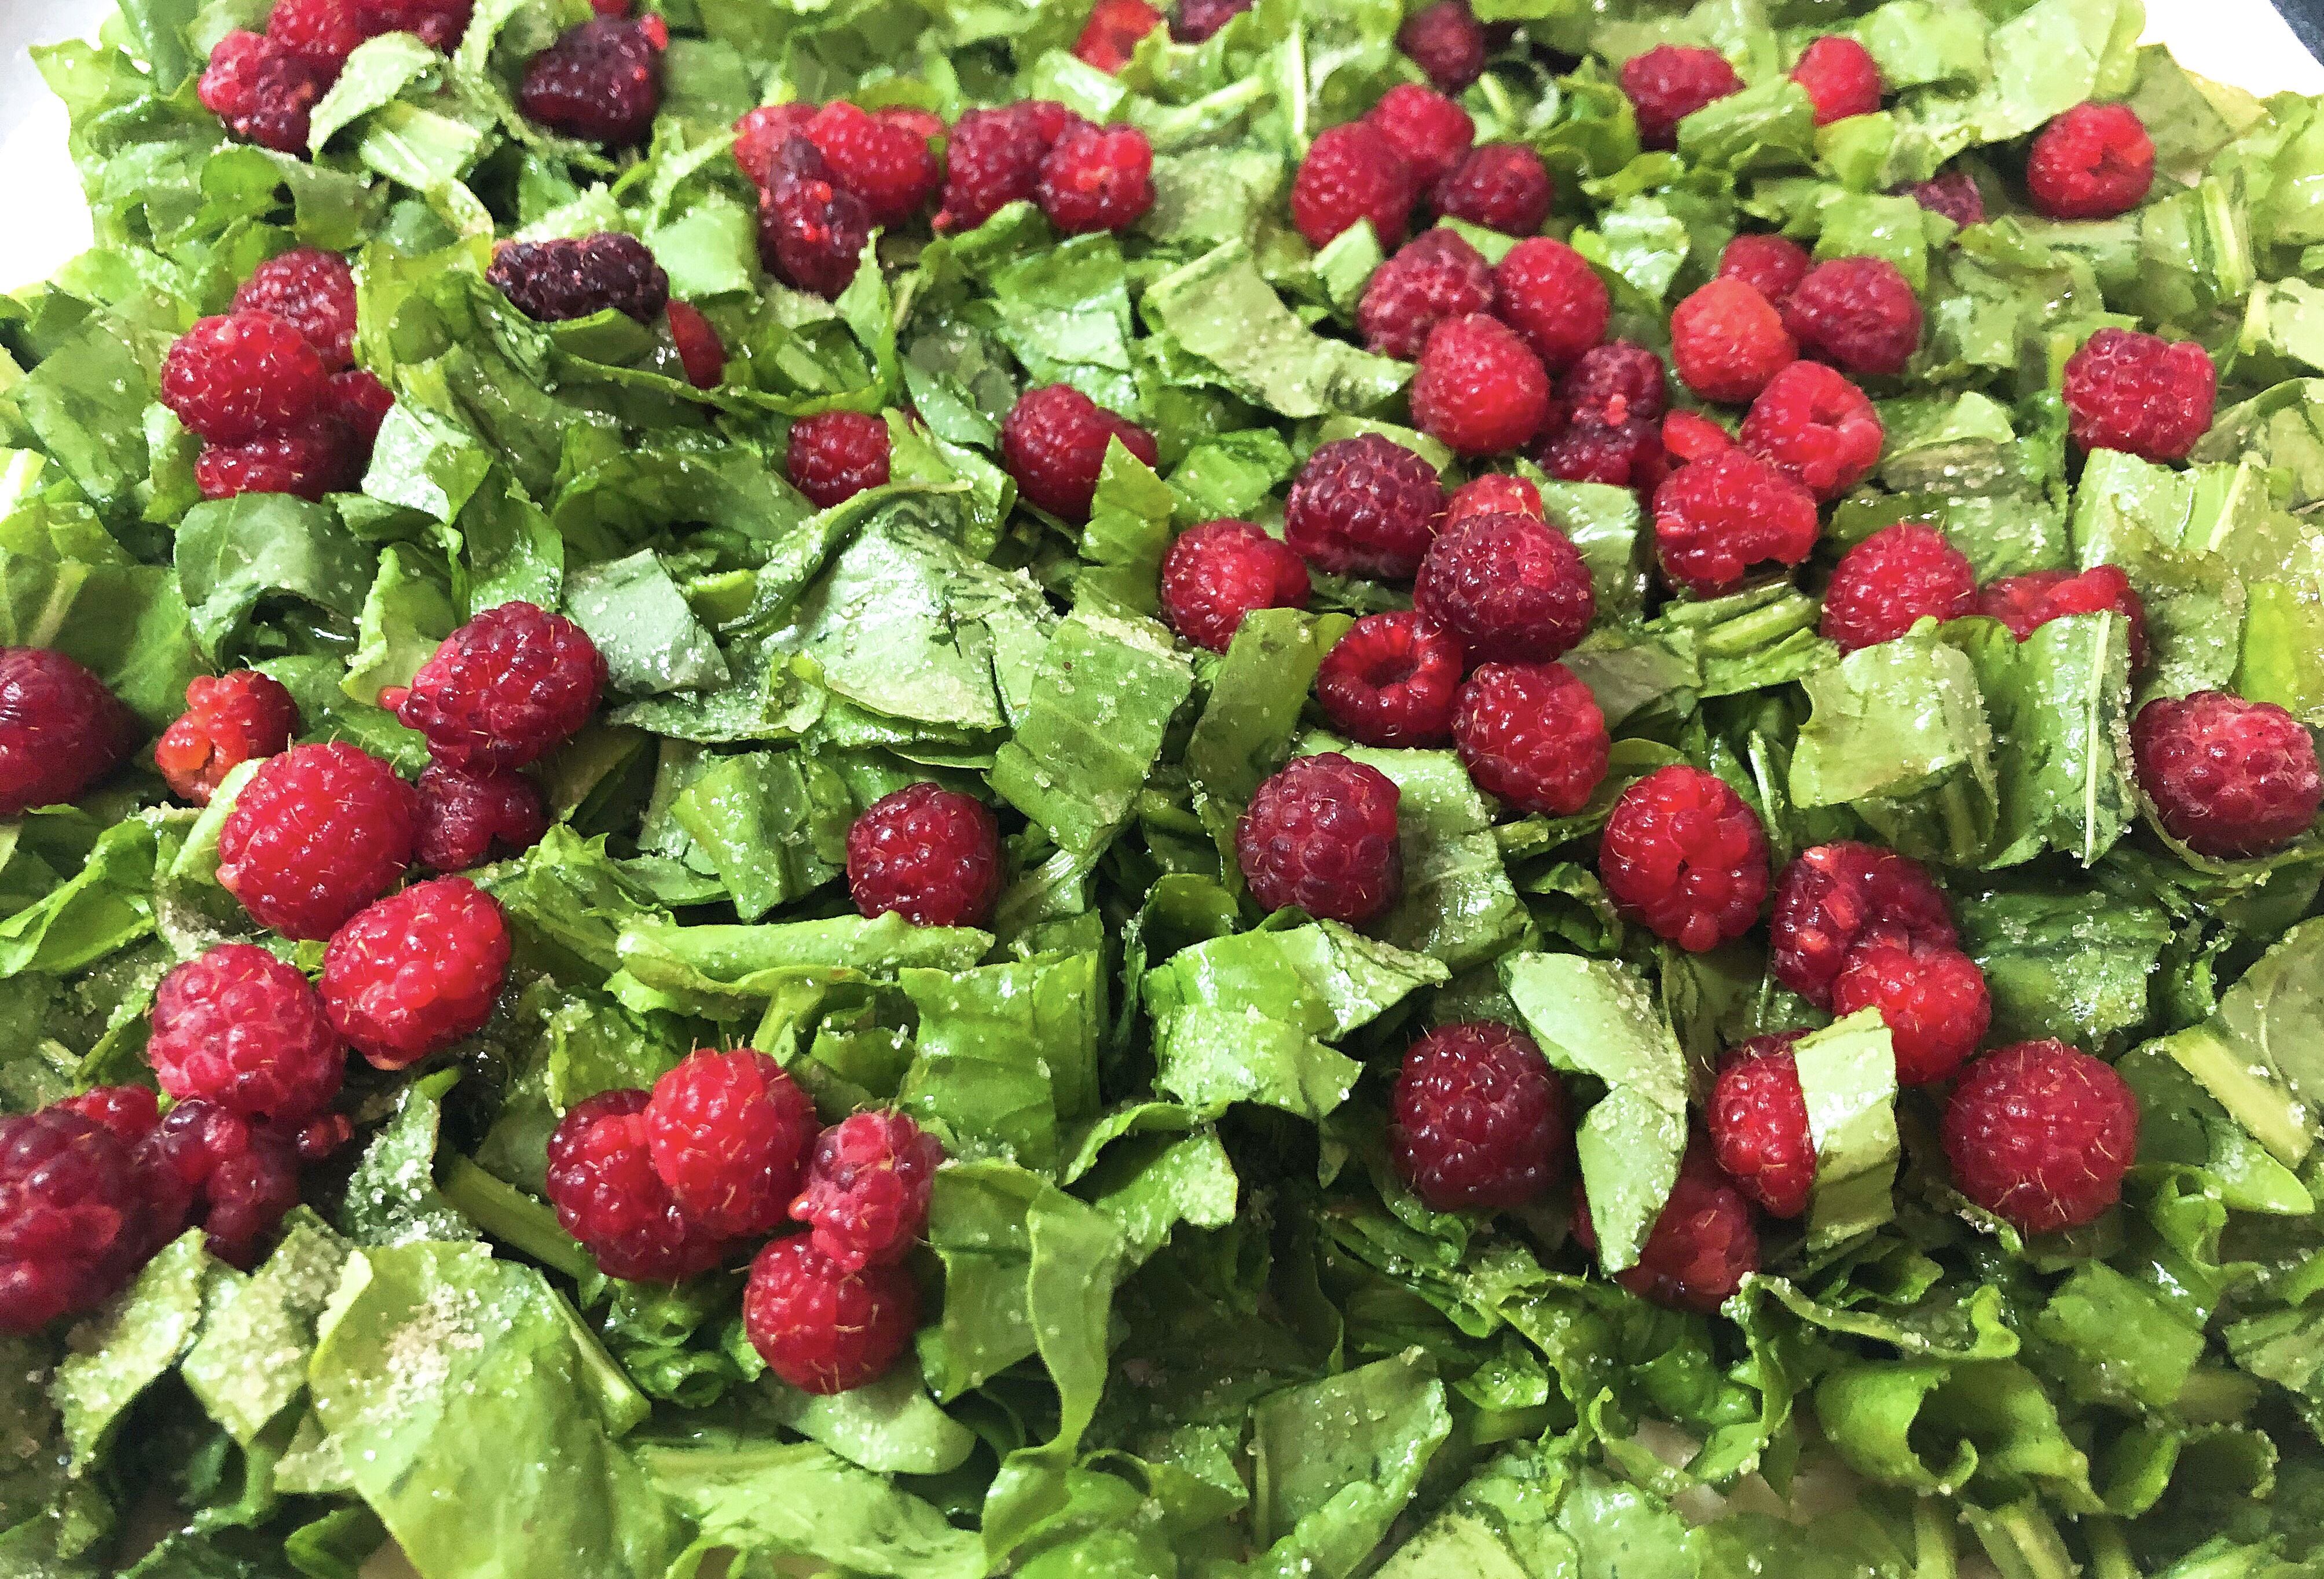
{"type": "Point", "coordinates": [1197, 20]}
{"type": "Point", "coordinates": [319, 832]}
{"type": "Point", "coordinates": [836, 456]}
{"type": "Point", "coordinates": [1478, 389]}
{"type": "Point", "coordinates": [1363, 506]}
{"type": "Point", "coordinates": [1548, 292]}
{"type": "Point", "coordinates": [822, 1329]}
{"type": "Point", "coordinates": [436, 22]}
{"type": "Point", "coordinates": [2093, 162]}
{"type": "Point", "coordinates": [1614, 383]}
{"type": "Point", "coordinates": [131, 1112]}
{"type": "Point", "coordinates": [1932, 997]}
{"type": "Point", "coordinates": [1815, 425]}
{"type": "Point", "coordinates": [1097, 178]}
{"type": "Point", "coordinates": [728, 1134]}
{"type": "Point", "coordinates": [1113, 31]}
{"type": "Point", "coordinates": [1478, 1119]}
{"type": "Point", "coordinates": [1858, 314]}
{"type": "Point", "coordinates": [1351, 173]}
{"type": "Point", "coordinates": [1626, 454]}
{"type": "Point", "coordinates": [417, 971]}
{"type": "Point", "coordinates": [505, 689]}
{"type": "Point", "coordinates": [1840, 76]}
{"type": "Point", "coordinates": [1532, 735]}
{"type": "Point", "coordinates": [2040, 1134]}
{"type": "Point", "coordinates": [1054, 442]}
{"type": "Point", "coordinates": [1501, 186]}
{"type": "Point", "coordinates": [1726, 341]}
{"type": "Point", "coordinates": [1430, 131]}
{"type": "Point", "coordinates": [360, 403]}
{"type": "Point", "coordinates": [811, 230]}
{"type": "Point", "coordinates": [600, 81]}
{"type": "Point", "coordinates": [2229, 778]}
{"type": "Point", "coordinates": [1758, 1122]}
{"type": "Point", "coordinates": [235, 378]}
{"type": "Point", "coordinates": [928, 854]}
{"type": "Point", "coordinates": [600, 1180]}
{"type": "Point", "coordinates": [1320, 834]}
{"type": "Point", "coordinates": [1494, 494]}
{"type": "Point", "coordinates": [322, 33]}
{"type": "Point", "coordinates": [865, 1193]}
{"type": "Point", "coordinates": [1954, 194]}
{"type": "Point", "coordinates": [1896, 577]}
{"type": "Point", "coordinates": [574, 276]}
{"type": "Point", "coordinates": [240, 1029]}
{"type": "Point", "coordinates": [1690, 435]}
{"type": "Point", "coordinates": [313, 291]}
{"type": "Point", "coordinates": [262, 91]}
{"type": "Point", "coordinates": [75, 1222]}
{"type": "Point", "coordinates": [1220, 571]}
{"type": "Point", "coordinates": [1447, 43]}
{"type": "Point", "coordinates": [1684, 854]}
{"type": "Point", "coordinates": [1669, 83]}
{"type": "Point", "coordinates": [2025, 603]}
{"type": "Point", "coordinates": [236, 1177]}
{"type": "Point", "coordinates": [884, 162]}
{"type": "Point", "coordinates": [1703, 1245]}
{"type": "Point", "coordinates": [1771, 265]}
{"type": "Point", "coordinates": [1391, 680]}
{"type": "Point", "coordinates": [1510, 587]}
{"type": "Point", "coordinates": [468, 818]}
{"type": "Point", "coordinates": [2126, 390]}
{"type": "Point", "coordinates": [993, 159]}
{"type": "Point", "coordinates": [1830, 894]}
{"type": "Point", "coordinates": [316, 457]}
{"type": "Point", "coordinates": [700, 351]}
{"type": "Point", "coordinates": [321, 1137]}
{"type": "Point", "coordinates": [61, 730]}
{"type": "Point", "coordinates": [1434, 277]}
{"type": "Point", "coordinates": [1716, 518]}
{"type": "Point", "coordinates": [760, 134]}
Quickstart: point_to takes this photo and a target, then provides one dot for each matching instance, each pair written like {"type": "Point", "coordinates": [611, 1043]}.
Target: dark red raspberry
{"type": "Point", "coordinates": [1197, 20]}
{"type": "Point", "coordinates": [323, 33]}
{"type": "Point", "coordinates": [1728, 341]}
{"type": "Point", "coordinates": [1758, 1122]}
{"type": "Point", "coordinates": [75, 1220]}
{"type": "Point", "coordinates": [239, 1028]}
{"type": "Point", "coordinates": [235, 378]}
{"type": "Point", "coordinates": [1614, 383]}
{"type": "Point", "coordinates": [884, 162]}
{"type": "Point", "coordinates": [1363, 506]}
{"type": "Point", "coordinates": [865, 1194]}
{"type": "Point", "coordinates": [1432, 132]}
{"type": "Point", "coordinates": [1447, 43]}
{"type": "Point", "coordinates": [1054, 441]}
{"type": "Point", "coordinates": [319, 1137]}
{"type": "Point", "coordinates": [360, 403]}
{"type": "Point", "coordinates": [574, 276]}
{"type": "Point", "coordinates": [928, 854]}
{"type": "Point", "coordinates": [1434, 277]}
{"type": "Point", "coordinates": [313, 291]}
{"type": "Point", "coordinates": [1625, 455]}
{"type": "Point", "coordinates": [1932, 998]}
{"type": "Point", "coordinates": [316, 458]}
{"type": "Point", "coordinates": [1953, 193]}
{"type": "Point", "coordinates": [131, 1112]}
{"type": "Point", "coordinates": [1840, 76]}
{"type": "Point", "coordinates": [1479, 387]}
{"type": "Point", "coordinates": [1894, 579]}
{"type": "Point", "coordinates": [505, 689]}
{"type": "Point", "coordinates": [1320, 834]}
{"type": "Point", "coordinates": [836, 456]}
{"type": "Point", "coordinates": [1858, 314]}
{"type": "Point", "coordinates": [1501, 186]}
{"type": "Point", "coordinates": [1815, 424]}
{"type": "Point", "coordinates": [468, 818]}
{"type": "Point", "coordinates": [319, 832]}
{"type": "Point", "coordinates": [1532, 735]}
{"type": "Point", "coordinates": [2025, 603]}
{"type": "Point", "coordinates": [822, 1329]}
{"type": "Point", "coordinates": [436, 22]}
{"type": "Point", "coordinates": [2127, 391]}
{"type": "Point", "coordinates": [760, 135]}
{"type": "Point", "coordinates": [417, 971]}
{"type": "Point", "coordinates": [1669, 83]}
{"type": "Point", "coordinates": [1113, 31]}
{"type": "Point", "coordinates": [811, 230]}
{"type": "Point", "coordinates": [1492, 494]}
{"type": "Point", "coordinates": [1391, 680]}
{"type": "Point", "coordinates": [1690, 435]}
{"type": "Point", "coordinates": [1097, 178]}
{"type": "Point", "coordinates": [993, 159]}
{"type": "Point", "coordinates": [1684, 854]}
{"type": "Point", "coordinates": [1479, 1119]}
{"type": "Point", "coordinates": [2229, 778]}
{"type": "Point", "coordinates": [602, 1182]}
{"type": "Point", "coordinates": [1716, 518]}
{"type": "Point", "coordinates": [1769, 264]}
{"type": "Point", "coordinates": [61, 730]}
{"type": "Point", "coordinates": [1830, 895]}
{"type": "Point", "coordinates": [262, 91]}
{"type": "Point", "coordinates": [1702, 1246]}
{"type": "Point", "coordinates": [1220, 571]}
{"type": "Point", "coordinates": [1549, 293]}
{"type": "Point", "coordinates": [700, 351]}
{"type": "Point", "coordinates": [1352, 172]}
{"type": "Point", "coordinates": [2040, 1134]}
{"type": "Point", "coordinates": [728, 1134]}
{"type": "Point", "coordinates": [1510, 587]}
{"type": "Point", "coordinates": [2093, 161]}
{"type": "Point", "coordinates": [236, 1176]}
{"type": "Point", "coordinates": [600, 81]}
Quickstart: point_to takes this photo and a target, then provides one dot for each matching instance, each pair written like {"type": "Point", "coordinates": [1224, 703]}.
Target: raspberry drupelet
{"type": "Point", "coordinates": [1683, 853]}
{"type": "Point", "coordinates": [574, 276]}
{"type": "Point", "coordinates": [1391, 680]}
{"type": "Point", "coordinates": [601, 1181]}
{"type": "Point", "coordinates": [313, 292]}
{"type": "Point", "coordinates": [75, 1217]}
{"type": "Point", "coordinates": [1769, 264]}
{"type": "Point", "coordinates": [239, 1028]}
{"type": "Point", "coordinates": [1352, 172]}
{"type": "Point", "coordinates": [1097, 179]}
{"type": "Point", "coordinates": [1815, 424]}
{"type": "Point", "coordinates": [1858, 314]}
{"type": "Point", "coordinates": [2040, 1134]}
{"type": "Point", "coordinates": [1728, 341]}
{"type": "Point", "coordinates": [1758, 1122]}
{"type": "Point", "coordinates": [1478, 1118]}
{"type": "Point", "coordinates": [864, 1197]}
{"type": "Point", "coordinates": [1494, 494]}
{"type": "Point", "coordinates": [2027, 602]}
{"type": "Point", "coordinates": [1363, 506]}
{"type": "Point", "coordinates": [1532, 735]}
{"type": "Point", "coordinates": [1932, 997]}
{"type": "Point", "coordinates": [1669, 82]}
{"type": "Point", "coordinates": [701, 353]}
{"type": "Point", "coordinates": [1113, 31]}
{"type": "Point", "coordinates": [1702, 1246]}
{"type": "Point", "coordinates": [61, 728]}
{"type": "Point", "coordinates": [1893, 580]}
{"type": "Point", "coordinates": [1501, 186]}
{"type": "Point", "coordinates": [1447, 43]}
{"type": "Point", "coordinates": [2093, 162]}
{"type": "Point", "coordinates": [728, 1134]}
{"type": "Point", "coordinates": [600, 81]}
{"type": "Point", "coordinates": [1716, 518]}
{"type": "Point", "coordinates": [505, 689]}
{"type": "Point", "coordinates": [1828, 898]}
{"type": "Point", "coordinates": [1840, 78]}
{"type": "Point", "coordinates": [1053, 444]}
{"type": "Point", "coordinates": [928, 854]}
{"type": "Point", "coordinates": [834, 455]}
{"type": "Point", "coordinates": [234, 1176]}
{"type": "Point", "coordinates": [1549, 293]}
{"type": "Point", "coordinates": [1194, 21]}
{"type": "Point", "coordinates": [1320, 834]}
{"type": "Point", "coordinates": [264, 92]}
{"type": "Point", "coordinates": [1217, 572]}
{"type": "Point", "coordinates": [1510, 587]}
{"type": "Point", "coordinates": [2228, 778]}
{"type": "Point", "coordinates": [1953, 193]}
{"type": "Point", "coordinates": [1434, 276]}
{"type": "Point", "coordinates": [812, 230]}
{"type": "Point", "coordinates": [2140, 393]}
{"type": "Point", "coordinates": [469, 817]}
{"type": "Point", "coordinates": [820, 1328]}
{"type": "Point", "coordinates": [319, 832]}
{"type": "Point", "coordinates": [1431, 131]}
{"type": "Point", "coordinates": [416, 972]}
{"type": "Point", "coordinates": [235, 378]}
{"type": "Point", "coordinates": [1478, 389]}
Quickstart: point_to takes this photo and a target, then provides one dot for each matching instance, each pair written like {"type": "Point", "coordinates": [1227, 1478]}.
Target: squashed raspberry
{"type": "Point", "coordinates": [316, 457]}
{"type": "Point", "coordinates": [836, 456]}
{"type": "Point", "coordinates": [468, 818]}
{"type": "Point", "coordinates": [600, 81]}
{"type": "Point", "coordinates": [1716, 518]}
{"type": "Point", "coordinates": [993, 159]}
{"type": "Point", "coordinates": [811, 230]}
{"type": "Point", "coordinates": [760, 135]}
{"type": "Point", "coordinates": [1728, 341]}
{"type": "Point", "coordinates": [2228, 778]}
{"type": "Point", "coordinates": [1758, 1123]}
{"type": "Point", "coordinates": [1432, 132]}
{"type": "Point", "coordinates": [1893, 580]}
{"type": "Point", "coordinates": [239, 1028]}
{"type": "Point", "coordinates": [60, 729]}
{"type": "Point", "coordinates": [1621, 454]}
{"type": "Point", "coordinates": [1352, 172]}
{"type": "Point", "coordinates": [701, 353]}
{"type": "Point", "coordinates": [1434, 277]}
{"type": "Point", "coordinates": [1363, 506]}
{"type": "Point", "coordinates": [1320, 834]}
{"type": "Point", "coordinates": [1953, 193]}
{"type": "Point", "coordinates": [313, 291]}
{"type": "Point", "coordinates": [574, 276]}
{"type": "Point", "coordinates": [1684, 854]}
{"type": "Point", "coordinates": [1391, 680]}
{"type": "Point", "coordinates": [235, 1176]}
{"type": "Point", "coordinates": [1501, 186]}
{"type": "Point", "coordinates": [1097, 178]}
{"type": "Point", "coordinates": [1840, 78]}
{"type": "Point", "coordinates": [1932, 997]}
{"type": "Point", "coordinates": [1196, 20]}
{"type": "Point", "coordinates": [1769, 264]}
{"type": "Point", "coordinates": [1494, 494]}
{"type": "Point", "coordinates": [2140, 393]}
{"type": "Point", "coordinates": [235, 378]}
{"type": "Point", "coordinates": [1669, 83]}
{"type": "Point", "coordinates": [1615, 383]}
{"type": "Point", "coordinates": [505, 689]}
{"type": "Point", "coordinates": [1113, 31]}
{"type": "Point", "coordinates": [1217, 572]}
{"type": "Point", "coordinates": [1828, 897]}
{"type": "Point", "coordinates": [822, 1329]}
{"type": "Point", "coordinates": [1703, 1245]}
{"type": "Point", "coordinates": [1479, 387]}
{"type": "Point", "coordinates": [865, 1194]}
{"type": "Point", "coordinates": [75, 1221]}
{"type": "Point", "coordinates": [1447, 43]}
{"type": "Point", "coordinates": [1549, 293]}
{"type": "Point", "coordinates": [1054, 442]}
{"type": "Point", "coordinates": [262, 91]}
{"type": "Point", "coordinates": [416, 972]}
{"type": "Point", "coordinates": [1690, 435]}
{"type": "Point", "coordinates": [1479, 1119]}
{"type": "Point", "coordinates": [319, 832]}
{"type": "Point", "coordinates": [2093, 161]}
{"type": "Point", "coordinates": [2027, 602]}
{"type": "Point", "coordinates": [1858, 314]}
{"type": "Point", "coordinates": [1815, 424]}
{"type": "Point", "coordinates": [1532, 735]}
{"type": "Point", "coordinates": [728, 1134]}
{"type": "Point", "coordinates": [1510, 587]}
{"type": "Point", "coordinates": [928, 854]}
{"type": "Point", "coordinates": [323, 32]}
{"type": "Point", "coordinates": [600, 1180]}
{"type": "Point", "coordinates": [2040, 1134]}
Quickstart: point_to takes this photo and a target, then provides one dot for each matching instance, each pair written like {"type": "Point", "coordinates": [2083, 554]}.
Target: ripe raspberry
{"type": "Point", "coordinates": [1615, 383]}
{"type": "Point", "coordinates": [1858, 314]}
{"type": "Point", "coordinates": [928, 854]}
{"type": "Point", "coordinates": [1815, 424]}
{"type": "Point", "coordinates": [884, 162]}
{"type": "Point", "coordinates": [993, 159]}
{"type": "Point", "coordinates": [1771, 265]}
{"type": "Point", "coordinates": [2229, 778]}
{"type": "Point", "coordinates": [1363, 506]}
{"type": "Point", "coordinates": [1478, 389]}
{"type": "Point", "coordinates": [2025, 603]}
{"type": "Point", "coordinates": [262, 91]}
{"type": "Point", "coordinates": [1447, 43]}
{"type": "Point", "coordinates": [700, 351]}
{"type": "Point", "coordinates": [131, 1112]}
{"type": "Point", "coordinates": [1220, 571]}
{"type": "Point", "coordinates": [317, 457]}
{"type": "Point", "coordinates": [1494, 494]}
{"type": "Point", "coordinates": [1197, 20]}
{"type": "Point", "coordinates": [1840, 76]}
{"type": "Point", "coordinates": [61, 730]}
{"type": "Point", "coordinates": [602, 1182]}
{"type": "Point", "coordinates": [1320, 834]}
{"type": "Point", "coordinates": [1716, 518]}
{"type": "Point", "coordinates": [1830, 895]}
{"type": "Point", "coordinates": [75, 1221]}
{"type": "Point", "coordinates": [728, 1134]}
{"type": "Point", "coordinates": [1054, 441]}
{"type": "Point", "coordinates": [1479, 1119]}
{"type": "Point", "coordinates": [319, 832]}
{"type": "Point", "coordinates": [1097, 178]}
{"type": "Point", "coordinates": [1690, 435]}
{"type": "Point", "coordinates": [235, 1176]}
{"type": "Point", "coordinates": [1932, 997]}
{"type": "Point", "coordinates": [1669, 83]}
{"type": "Point", "coordinates": [235, 378]}
{"type": "Point", "coordinates": [1758, 1122]}
{"type": "Point", "coordinates": [600, 81]}
{"type": "Point", "coordinates": [1532, 735]}
{"type": "Point", "coordinates": [1548, 292]}
{"type": "Point", "coordinates": [1626, 454]}
{"type": "Point", "coordinates": [822, 1329]}
{"type": "Point", "coordinates": [1684, 854]}
{"type": "Point", "coordinates": [1113, 31]}
{"type": "Point", "coordinates": [1896, 577]}
{"type": "Point", "coordinates": [239, 1028]}
{"type": "Point", "coordinates": [1728, 341]}
{"type": "Point", "coordinates": [359, 403]}
{"type": "Point", "coordinates": [811, 230]}
{"type": "Point", "coordinates": [1432, 132]}
{"type": "Point", "coordinates": [2126, 390]}
{"type": "Point", "coordinates": [1391, 680]}
{"type": "Point", "coordinates": [417, 971]}
{"type": "Point", "coordinates": [468, 818]}
{"type": "Point", "coordinates": [1434, 277]}
{"type": "Point", "coordinates": [1352, 172]}
{"type": "Point", "coordinates": [2040, 1134]}
{"type": "Point", "coordinates": [323, 32]}
{"type": "Point", "coordinates": [505, 689]}
{"type": "Point", "coordinates": [836, 456]}
{"type": "Point", "coordinates": [760, 135]}
{"type": "Point", "coordinates": [436, 22]}
{"type": "Point", "coordinates": [1510, 587]}
{"type": "Point", "coordinates": [865, 1193]}
{"type": "Point", "coordinates": [1703, 1245]}
{"type": "Point", "coordinates": [1501, 186]}
{"type": "Point", "coordinates": [313, 291]}
{"type": "Point", "coordinates": [2093, 161]}
{"type": "Point", "coordinates": [574, 276]}
{"type": "Point", "coordinates": [1954, 194]}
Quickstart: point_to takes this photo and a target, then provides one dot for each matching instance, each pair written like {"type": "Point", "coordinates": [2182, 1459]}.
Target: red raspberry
{"type": "Point", "coordinates": [1669, 83]}
{"type": "Point", "coordinates": [235, 378]}
{"type": "Point", "coordinates": [1510, 587]}
{"type": "Point", "coordinates": [1702, 1246]}
{"type": "Point", "coordinates": [321, 1137]}
{"type": "Point", "coordinates": [239, 1028]}
{"type": "Point", "coordinates": [928, 854]}
{"type": "Point", "coordinates": [1896, 577]}
{"type": "Point", "coordinates": [822, 1329]}
{"type": "Point", "coordinates": [1549, 293]}
{"type": "Point", "coordinates": [1728, 341]}
{"type": "Point", "coordinates": [608, 1194]}
{"type": "Point", "coordinates": [1532, 735]}
{"type": "Point", "coordinates": [574, 276]}
{"type": "Point", "coordinates": [701, 353]}
{"type": "Point", "coordinates": [2229, 778]}
{"type": "Point", "coordinates": [2093, 161]}
{"type": "Point", "coordinates": [436, 22]}
{"type": "Point", "coordinates": [1932, 998]}
{"type": "Point", "coordinates": [1352, 172]}
{"type": "Point", "coordinates": [836, 456]}
{"type": "Point", "coordinates": [1197, 20]}
{"type": "Point", "coordinates": [319, 832]}
{"type": "Point", "coordinates": [262, 90]}
{"type": "Point", "coordinates": [1391, 680]}
{"type": "Point", "coordinates": [1626, 454]}
{"type": "Point", "coordinates": [75, 1221]}
{"type": "Point", "coordinates": [1771, 265]}
{"type": "Point", "coordinates": [1758, 1121]}
{"type": "Point", "coordinates": [316, 458]}
{"type": "Point", "coordinates": [2040, 1134]}
{"type": "Point", "coordinates": [1684, 854]}
{"type": "Point", "coordinates": [468, 818]}
{"type": "Point", "coordinates": [237, 1177]}
{"type": "Point", "coordinates": [600, 81]}
{"type": "Point", "coordinates": [1479, 387]}
{"type": "Point", "coordinates": [1097, 178]}
{"type": "Point", "coordinates": [728, 1134]}
{"type": "Point", "coordinates": [1363, 506]}
{"type": "Point", "coordinates": [360, 403]}
{"type": "Point", "coordinates": [1690, 435]}
{"type": "Point", "coordinates": [1840, 76]}
{"type": "Point", "coordinates": [760, 135]}
{"type": "Point", "coordinates": [811, 230]}
{"type": "Point", "coordinates": [2151, 396]}
{"type": "Point", "coordinates": [1858, 314]}
{"type": "Point", "coordinates": [61, 730]}
{"type": "Point", "coordinates": [313, 291]}
{"type": "Point", "coordinates": [887, 164]}
{"type": "Point", "coordinates": [1320, 834]}
{"type": "Point", "coordinates": [1432, 132]}
{"type": "Point", "coordinates": [1716, 518]}
{"type": "Point", "coordinates": [1501, 186]}
{"type": "Point", "coordinates": [1447, 43]}
{"type": "Point", "coordinates": [1113, 31]}
{"type": "Point", "coordinates": [505, 689]}
{"type": "Point", "coordinates": [1954, 194]}
{"type": "Point", "coordinates": [1434, 277]}
{"type": "Point", "coordinates": [865, 1193]}
{"type": "Point", "coordinates": [1827, 899]}
{"type": "Point", "coordinates": [2025, 603]}
{"type": "Point", "coordinates": [1054, 443]}
{"type": "Point", "coordinates": [1478, 1119]}
{"type": "Point", "coordinates": [131, 1112]}
{"type": "Point", "coordinates": [1815, 424]}
{"type": "Point", "coordinates": [1492, 494]}
{"type": "Point", "coordinates": [1615, 383]}
{"type": "Point", "coordinates": [1220, 571]}
{"type": "Point", "coordinates": [323, 32]}
{"type": "Point", "coordinates": [418, 971]}
{"type": "Point", "coordinates": [993, 159]}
